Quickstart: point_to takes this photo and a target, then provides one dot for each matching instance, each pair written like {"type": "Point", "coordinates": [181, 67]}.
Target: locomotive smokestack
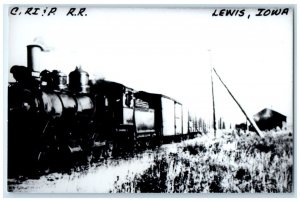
{"type": "Point", "coordinates": [33, 56]}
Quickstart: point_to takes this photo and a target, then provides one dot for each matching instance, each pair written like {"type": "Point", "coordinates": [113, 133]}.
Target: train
{"type": "Point", "coordinates": [53, 117]}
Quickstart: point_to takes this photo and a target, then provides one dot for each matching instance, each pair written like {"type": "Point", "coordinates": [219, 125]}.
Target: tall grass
{"type": "Point", "coordinates": [229, 163]}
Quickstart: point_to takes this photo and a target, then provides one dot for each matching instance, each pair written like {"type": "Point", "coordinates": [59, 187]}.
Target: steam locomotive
{"type": "Point", "coordinates": [52, 118]}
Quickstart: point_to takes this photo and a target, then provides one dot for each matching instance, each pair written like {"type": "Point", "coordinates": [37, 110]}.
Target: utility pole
{"type": "Point", "coordinates": [213, 100]}
{"type": "Point", "coordinates": [213, 97]}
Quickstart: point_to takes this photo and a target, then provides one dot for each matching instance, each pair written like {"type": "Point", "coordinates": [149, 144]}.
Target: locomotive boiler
{"type": "Point", "coordinates": [54, 118]}
{"type": "Point", "coordinates": [46, 117]}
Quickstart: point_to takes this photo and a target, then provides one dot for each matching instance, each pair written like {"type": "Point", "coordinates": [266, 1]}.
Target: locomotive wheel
{"type": "Point", "coordinates": [135, 143]}
{"type": "Point", "coordinates": [98, 154]}
{"type": "Point", "coordinates": [89, 157]}
{"type": "Point", "coordinates": [102, 154]}
{"type": "Point", "coordinates": [43, 166]}
{"type": "Point", "coordinates": [147, 143]}
{"type": "Point", "coordinates": [109, 149]}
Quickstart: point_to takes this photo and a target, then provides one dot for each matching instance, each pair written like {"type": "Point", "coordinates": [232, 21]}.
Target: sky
{"type": "Point", "coordinates": [170, 51]}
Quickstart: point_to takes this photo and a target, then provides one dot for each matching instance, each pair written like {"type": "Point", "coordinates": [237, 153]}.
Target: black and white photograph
{"type": "Point", "coordinates": [150, 99]}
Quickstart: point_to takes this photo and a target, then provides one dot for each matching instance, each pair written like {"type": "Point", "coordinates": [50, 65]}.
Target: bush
{"type": "Point", "coordinates": [227, 164]}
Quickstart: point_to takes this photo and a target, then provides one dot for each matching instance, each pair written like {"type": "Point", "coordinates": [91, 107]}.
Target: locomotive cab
{"type": "Point", "coordinates": [114, 113]}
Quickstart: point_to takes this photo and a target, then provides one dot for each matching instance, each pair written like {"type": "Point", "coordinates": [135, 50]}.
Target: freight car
{"type": "Point", "coordinates": [168, 117]}
{"type": "Point", "coordinates": [52, 119]}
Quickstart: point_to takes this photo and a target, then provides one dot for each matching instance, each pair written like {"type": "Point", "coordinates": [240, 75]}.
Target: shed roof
{"type": "Point", "coordinates": [268, 119]}
{"type": "Point", "coordinates": [267, 113]}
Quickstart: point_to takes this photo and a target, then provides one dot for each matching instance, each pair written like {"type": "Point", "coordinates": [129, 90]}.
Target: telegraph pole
{"type": "Point", "coordinates": [213, 96]}
{"type": "Point", "coordinates": [213, 100]}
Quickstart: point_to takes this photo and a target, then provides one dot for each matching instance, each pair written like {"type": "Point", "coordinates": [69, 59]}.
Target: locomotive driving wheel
{"type": "Point", "coordinates": [43, 162]}
{"type": "Point", "coordinates": [109, 149]}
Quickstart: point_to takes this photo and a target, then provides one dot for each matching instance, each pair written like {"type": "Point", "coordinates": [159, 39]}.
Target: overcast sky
{"type": "Point", "coordinates": [166, 51]}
